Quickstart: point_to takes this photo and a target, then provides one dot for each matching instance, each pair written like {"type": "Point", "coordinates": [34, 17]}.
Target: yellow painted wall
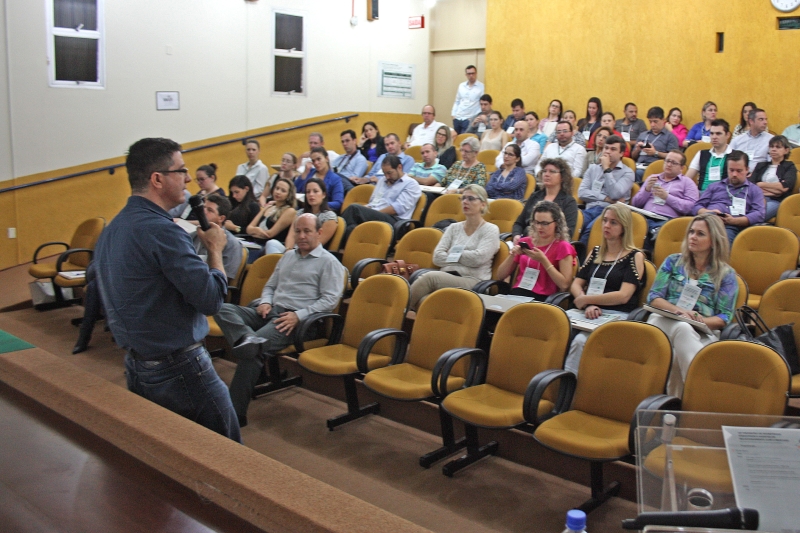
{"type": "Point", "coordinates": [52, 211]}
{"type": "Point", "coordinates": [651, 53]}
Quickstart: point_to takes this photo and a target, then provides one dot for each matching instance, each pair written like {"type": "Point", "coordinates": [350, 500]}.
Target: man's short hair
{"type": "Point", "coordinates": [394, 135]}
{"type": "Point", "coordinates": [147, 156]}
{"type": "Point", "coordinates": [567, 122]}
{"type": "Point", "coordinates": [656, 112]}
{"type": "Point", "coordinates": [533, 114]}
{"type": "Point", "coordinates": [680, 153]}
{"type": "Point", "coordinates": [253, 141]}
{"type": "Point", "coordinates": [471, 66]}
{"type": "Point", "coordinates": [738, 155]}
{"type": "Point", "coordinates": [351, 133]}
{"type": "Point", "coordinates": [486, 98]}
{"type": "Point", "coordinates": [628, 105]}
{"type": "Point", "coordinates": [392, 161]}
{"type": "Point", "coordinates": [616, 139]}
{"type": "Point", "coordinates": [516, 102]}
{"type": "Point", "coordinates": [317, 220]}
{"type": "Point", "coordinates": [433, 147]}
{"type": "Point", "coordinates": [752, 114]}
{"type": "Point", "coordinates": [318, 135]}
{"type": "Point", "coordinates": [721, 122]}
{"type": "Point", "coordinates": [223, 204]}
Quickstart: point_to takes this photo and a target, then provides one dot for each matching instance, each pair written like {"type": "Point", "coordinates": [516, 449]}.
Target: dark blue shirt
{"type": "Point", "coordinates": [333, 184]}
{"type": "Point", "coordinates": [156, 290]}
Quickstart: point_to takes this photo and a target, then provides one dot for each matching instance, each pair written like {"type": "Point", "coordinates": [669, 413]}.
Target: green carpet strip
{"type": "Point", "coordinates": [10, 343]}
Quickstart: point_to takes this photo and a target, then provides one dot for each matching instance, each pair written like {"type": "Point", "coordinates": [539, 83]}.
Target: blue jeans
{"type": "Point", "coordinates": [772, 208]}
{"type": "Point", "coordinates": [460, 125]}
{"type": "Point", "coordinates": [732, 232]}
{"type": "Point", "coordinates": [589, 218]}
{"type": "Point", "coordinates": [649, 241]}
{"type": "Point", "coordinates": [188, 385]}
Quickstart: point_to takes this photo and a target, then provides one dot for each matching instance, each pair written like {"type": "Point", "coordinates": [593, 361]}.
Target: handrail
{"type": "Point", "coordinates": [112, 168]}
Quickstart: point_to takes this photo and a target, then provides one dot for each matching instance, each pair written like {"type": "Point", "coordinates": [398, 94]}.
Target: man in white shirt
{"type": "Point", "coordinates": [567, 149]}
{"type": "Point", "coordinates": [314, 140]}
{"type": "Point", "coordinates": [254, 169]}
{"type": "Point", "coordinates": [755, 143]}
{"type": "Point", "coordinates": [708, 166]}
{"type": "Point", "coordinates": [530, 149]}
{"type": "Point", "coordinates": [466, 105]}
{"type": "Point", "coordinates": [424, 133]}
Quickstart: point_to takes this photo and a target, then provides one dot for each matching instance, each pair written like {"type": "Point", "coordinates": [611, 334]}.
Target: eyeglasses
{"type": "Point", "coordinates": [671, 162]}
{"type": "Point", "coordinates": [543, 224]}
{"type": "Point", "coordinates": [469, 198]}
{"type": "Point", "coordinates": [184, 171]}
{"type": "Point", "coordinates": [200, 180]}
{"type": "Point", "coordinates": [467, 151]}
{"type": "Point", "coordinates": [510, 154]}
{"type": "Point", "coordinates": [562, 132]}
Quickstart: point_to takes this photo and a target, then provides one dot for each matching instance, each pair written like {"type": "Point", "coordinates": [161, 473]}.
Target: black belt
{"type": "Point", "coordinates": [177, 352]}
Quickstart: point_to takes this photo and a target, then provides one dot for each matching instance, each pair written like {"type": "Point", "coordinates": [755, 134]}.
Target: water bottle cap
{"type": "Point", "coordinates": [576, 520]}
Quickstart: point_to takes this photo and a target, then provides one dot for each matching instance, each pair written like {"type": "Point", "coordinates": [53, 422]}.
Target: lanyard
{"type": "Point", "coordinates": [567, 147]}
{"type": "Point", "coordinates": [610, 269]}
{"type": "Point", "coordinates": [647, 137]}
{"type": "Point", "coordinates": [545, 253]}
{"type": "Point", "coordinates": [732, 196]}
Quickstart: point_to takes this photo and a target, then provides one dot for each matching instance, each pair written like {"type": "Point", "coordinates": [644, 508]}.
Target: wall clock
{"type": "Point", "coordinates": [785, 5]}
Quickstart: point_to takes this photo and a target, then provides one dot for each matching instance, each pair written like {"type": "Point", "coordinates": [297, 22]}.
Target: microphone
{"type": "Point", "coordinates": [198, 208]}
{"type": "Point", "coordinates": [731, 518]}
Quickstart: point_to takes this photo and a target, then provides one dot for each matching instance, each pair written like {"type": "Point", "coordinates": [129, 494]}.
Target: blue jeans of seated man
{"type": "Point", "coordinates": [639, 175]}
{"type": "Point", "coordinates": [732, 232]}
{"type": "Point", "coordinates": [772, 208]}
{"type": "Point", "coordinates": [460, 125]}
{"type": "Point", "coordinates": [649, 241]}
{"type": "Point", "coordinates": [589, 217]}
{"type": "Point", "coordinates": [188, 385]}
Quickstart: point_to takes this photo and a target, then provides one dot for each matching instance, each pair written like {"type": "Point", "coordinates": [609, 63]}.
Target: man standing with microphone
{"type": "Point", "coordinates": [157, 291]}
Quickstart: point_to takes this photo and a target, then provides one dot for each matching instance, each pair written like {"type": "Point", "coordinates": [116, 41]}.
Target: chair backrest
{"type": "Point", "coordinates": [85, 236]}
{"type": "Point", "coordinates": [421, 203]}
{"type": "Point", "coordinates": [650, 272]}
{"type": "Point", "coordinates": [503, 213]}
{"type": "Point", "coordinates": [240, 272]}
{"type": "Point", "coordinates": [257, 276]}
{"type": "Point", "coordinates": [417, 247]}
{"type": "Point", "coordinates": [744, 291]}
{"type": "Point", "coordinates": [530, 188]}
{"type": "Point", "coordinates": [488, 158]}
{"type": "Point", "coordinates": [368, 239]}
{"type": "Point", "coordinates": [789, 213]}
{"type": "Point", "coordinates": [623, 363]}
{"type": "Point", "coordinates": [336, 239]}
{"type": "Point", "coordinates": [378, 302]}
{"type": "Point", "coordinates": [737, 377]}
{"type": "Point", "coordinates": [692, 150]}
{"type": "Point", "coordinates": [576, 234]}
{"type": "Point", "coordinates": [669, 238]}
{"type": "Point", "coordinates": [760, 254]}
{"type": "Point", "coordinates": [414, 152]}
{"type": "Point", "coordinates": [630, 163]}
{"type": "Point", "coordinates": [576, 184]}
{"type": "Point", "coordinates": [639, 232]}
{"type": "Point", "coordinates": [448, 318]}
{"type": "Point", "coordinates": [780, 305]}
{"type": "Point", "coordinates": [461, 136]}
{"type": "Point", "coordinates": [656, 167]}
{"type": "Point", "coordinates": [360, 194]}
{"type": "Point", "coordinates": [634, 190]}
{"type": "Point", "coordinates": [445, 206]}
{"type": "Point", "coordinates": [529, 338]}
{"type": "Point", "coordinates": [502, 254]}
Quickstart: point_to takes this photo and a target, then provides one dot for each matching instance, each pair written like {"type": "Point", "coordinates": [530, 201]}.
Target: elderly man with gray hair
{"type": "Point", "coordinates": [531, 151]}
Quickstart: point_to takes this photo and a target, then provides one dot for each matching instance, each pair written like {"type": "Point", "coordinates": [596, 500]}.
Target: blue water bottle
{"type": "Point", "coordinates": [576, 521]}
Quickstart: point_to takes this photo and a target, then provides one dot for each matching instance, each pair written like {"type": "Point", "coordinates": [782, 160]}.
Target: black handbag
{"type": "Point", "coordinates": [780, 339]}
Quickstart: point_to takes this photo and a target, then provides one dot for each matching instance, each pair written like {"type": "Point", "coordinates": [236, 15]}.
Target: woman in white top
{"type": "Point", "coordinates": [288, 171]}
{"type": "Point", "coordinates": [254, 169]}
{"type": "Point", "coordinates": [494, 138]}
{"type": "Point", "coordinates": [465, 252]}
{"type": "Point", "coordinates": [548, 125]}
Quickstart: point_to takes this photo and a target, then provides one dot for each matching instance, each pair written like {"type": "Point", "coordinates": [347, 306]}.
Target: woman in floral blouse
{"type": "Point", "coordinates": [468, 171]}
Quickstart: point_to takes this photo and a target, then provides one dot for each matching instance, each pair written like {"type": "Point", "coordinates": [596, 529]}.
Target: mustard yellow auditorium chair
{"type": "Point", "coordinates": [359, 194]}
{"type": "Point", "coordinates": [235, 284]}
{"type": "Point", "coordinates": [639, 232]}
{"type": "Point", "coordinates": [729, 376]}
{"type": "Point", "coordinates": [760, 254]}
{"type": "Point", "coordinates": [447, 320]}
{"type": "Point", "coordinates": [380, 302]}
{"type": "Point", "coordinates": [576, 184]}
{"type": "Point", "coordinates": [444, 207]}
{"type": "Point", "coordinates": [462, 136]}
{"type": "Point", "coordinates": [656, 167]}
{"type": "Point", "coordinates": [630, 163]}
{"type": "Point", "coordinates": [403, 226]}
{"type": "Point", "coordinates": [503, 213]}
{"type": "Point", "coordinates": [416, 247]}
{"type": "Point", "coordinates": [669, 239]}
{"type": "Point", "coordinates": [530, 188]}
{"type": "Point", "coordinates": [495, 285]}
{"type": "Point", "coordinates": [77, 254]}
{"type": "Point", "coordinates": [624, 368]}
{"type": "Point", "coordinates": [488, 158]}
{"type": "Point", "coordinates": [789, 213]}
{"type": "Point", "coordinates": [692, 150]}
{"type": "Point", "coordinates": [529, 339]}
{"type": "Point", "coordinates": [367, 240]}
{"type": "Point", "coordinates": [415, 153]}
{"type": "Point", "coordinates": [336, 239]}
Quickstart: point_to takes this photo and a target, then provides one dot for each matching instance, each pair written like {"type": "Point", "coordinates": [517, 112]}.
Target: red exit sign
{"type": "Point", "coordinates": [416, 23]}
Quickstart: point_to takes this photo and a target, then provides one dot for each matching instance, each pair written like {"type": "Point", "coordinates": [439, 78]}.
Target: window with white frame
{"type": "Point", "coordinates": [289, 54]}
{"type": "Point", "coordinates": [76, 54]}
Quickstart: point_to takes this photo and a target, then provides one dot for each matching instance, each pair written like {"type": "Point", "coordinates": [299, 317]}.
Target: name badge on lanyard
{"type": "Point", "coordinates": [706, 138]}
{"type": "Point", "coordinates": [597, 184]}
{"type": "Point", "coordinates": [714, 173]}
{"type": "Point", "coordinates": [455, 184]}
{"type": "Point", "coordinates": [510, 130]}
{"type": "Point", "coordinates": [596, 286]}
{"type": "Point", "coordinates": [689, 295]}
{"type": "Point", "coordinates": [529, 278]}
{"type": "Point", "coordinates": [455, 253]}
{"type": "Point", "coordinates": [738, 207]}
{"type": "Point", "coordinates": [626, 136]}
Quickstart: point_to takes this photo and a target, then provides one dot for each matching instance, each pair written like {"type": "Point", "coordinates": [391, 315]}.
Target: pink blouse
{"type": "Point", "coordinates": [555, 252]}
{"type": "Point", "coordinates": [680, 131]}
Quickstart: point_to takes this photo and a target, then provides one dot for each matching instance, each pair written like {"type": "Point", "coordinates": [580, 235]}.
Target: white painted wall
{"type": "Point", "coordinates": [5, 123]}
{"type": "Point", "coordinates": [220, 63]}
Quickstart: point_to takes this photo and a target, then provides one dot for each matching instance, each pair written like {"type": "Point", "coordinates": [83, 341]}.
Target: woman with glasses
{"type": "Point", "coordinates": [254, 169]}
{"type": "Point", "coordinates": [496, 137]}
{"type": "Point", "coordinates": [610, 280]}
{"type": "Point", "coordinates": [556, 179]}
{"type": "Point", "coordinates": [445, 151]}
{"type": "Point", "coordinates": [545, 259]}
{"type": "Point", "coordinates": [244, 204]}
{"type": "Point", "coordinates": [510, 180]}
{"type": "Point", "coordinates": [465, 251]}
{"type": "Point", "coordinates": [288, 171]}
{"type": "Point", "coordinates": [547, 125]}
{"type": "Point", "coordinates": [467, 171]}
{"type": "Point", "coordinates": [271, 226]}
{"type": "Point", "coordinates": [206, 179]}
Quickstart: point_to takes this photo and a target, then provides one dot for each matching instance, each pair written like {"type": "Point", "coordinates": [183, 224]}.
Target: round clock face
{"type": "Point", "coordinates": [786, 5]}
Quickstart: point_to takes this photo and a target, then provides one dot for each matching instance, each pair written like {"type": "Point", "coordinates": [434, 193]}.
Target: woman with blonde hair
{"type": "Point", "coordinates": [701, 132]}
{"type": "Point", "coordinates": [445, 151]}
{"type": "Point", "coordinates": [697, 284]}
{"type": "Point", "coordinates": [611, 278]}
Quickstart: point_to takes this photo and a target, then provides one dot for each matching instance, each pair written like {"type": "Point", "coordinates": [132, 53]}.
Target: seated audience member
{"type": "Point", "coordinates": [322, 169]}
{"type": "Point", "coordinates": [315, 140]}
{"type": "Point", "coordinates": [607, 120]}
{"type": "Point", "coordinates": [792, 133]}
{"type": "Point", "coordinates": [528, 148]}
{"type": "Point", "coordinates": [288, 170]}
{"type": "Point", "coordinates": [594, 110]}
{"type": "Point", "coordinates": [533, 127]}
{"type": "Point", "coordinates": [495, 137]}
{"type": "Point", "coordinates": [445, 151]}
{"type": "Point", "coordinates": [271, 225]}
{"type": "Point", "coordinates": [776, 177]}
{"type": "Point", "coordinates": [744, 125]}
{"type": "Point", "coordinates": [577, 136]}
{"type": "Point", "coordinates": [631, 126]}
{"type": "Point", "coordinates": [654, 143]}
{"type": "Point", "coordinates": [254, 169]}
{"type": "Point", "coordinates": [609, 281]}
{"type": "Point", "coordinates": [599, 141]}
{"type": "Point", "coordinates": [517, 114]}
{"type": "Point", "coordinates": [556, 180]}
{"type": "Point", "coordinates": [510, 180]}
{"type": "Point", "coordinates": [217, 209]}
{"type": "Point", "coordinates": [425, 132]}
{"type": "Point", "coordinates": [429, 172]}
{"type": "Point", "coordinates": [371, 143]}
{"type": "Point", "coordinates": [480, 123]}
{"type": "Point", "coordinates": [393, 147]}
{"type": "Point", "coordinates": [544, 259]}
{"type": "Point", "coordinates": [306, 280]}
{"type": "Point", "coordinates": [701, 131]}
{"type": "Point", "coordinates": [755, 143]}
{"type": "Point", "coordinates": [708, 166]}
{"type": "Point", "coordinates": [316, 203]}
{"type": "Point", "coordinates": [674, 125]}
{"type": "Point", "coordinates": [244, 204]}
{"type": "Point", "coordinates": [465, 251]}
{"type": "Point", "coordinates": [394, 198]}
{"type": "Point", "coordinates": [697, 284]}
{"type": "Point", "coordinates": [670, 194]}
{"type": "Point", "coordinates": [351, 164]}
{"type": "Point", "coordinates": [548, 124]}
{"type": "Point", "coordinates": [603, 184]}
{"type": "Point", "coordinates": [568, 150]}
{"type": "Point", "coordinates": [738, 202]}
{"type": "Point", "coordinates": [468, 171]}
{"type": "Point", "coordinates": [206, 178]}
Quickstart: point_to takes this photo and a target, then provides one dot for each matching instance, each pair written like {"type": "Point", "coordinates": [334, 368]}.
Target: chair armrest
{"type": "Point", "coordinates": [443, 367]}
{"type": "Point", "coordinates": [64, 256]}
{"type": "Point", "coordinates": [790, 274]}
{"type": "Point", "coordinates": [580, 248]}
{"type": "Point", "coordinates": [639, 315]}
{"type": "Point", "coordinates": [561, 299]}
{"type": "Point", "coordinates": [657, 402]}
{"type": "Point", "coordinates": [418, 273]}
{"type": "Point", "coordinates": [305, 325]}
{"type": "Point", "coordinates": [483, 287]}
{"type": "Point", "coordinates": [359, 267]}
{"type": "Point", "coordinates": [403, 226]}
{"type": "Point", "coordinates": [52, 243]}
{"type": "Point", "coordinates": [505, 236]}
{"type": "Point", "coordinates": [731, 332]}
{"type": "Point", "coordinates": [371, 338]}
{"type": "Point", "coordinates": [535, 391]}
